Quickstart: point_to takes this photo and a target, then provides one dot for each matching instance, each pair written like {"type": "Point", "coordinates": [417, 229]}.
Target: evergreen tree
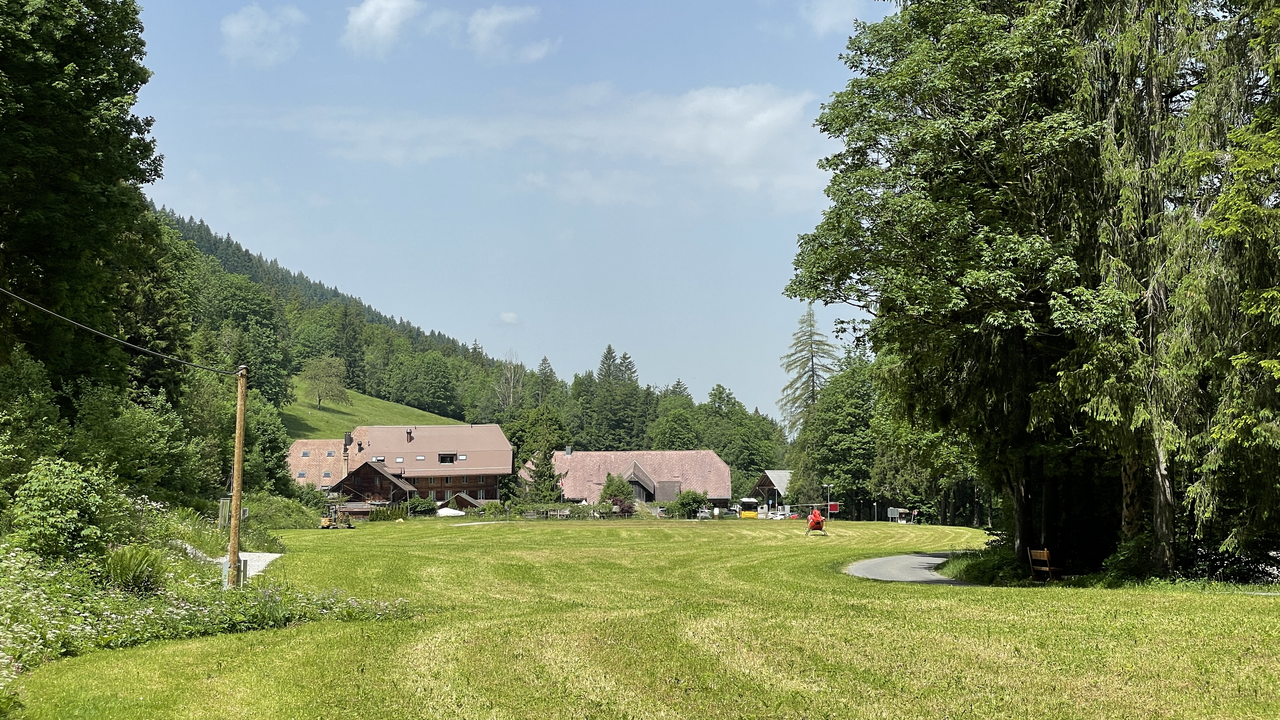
{"type": "Point", "coordinates": [544, 482]}
{"type": "Point", "coordinates": [809, 362]}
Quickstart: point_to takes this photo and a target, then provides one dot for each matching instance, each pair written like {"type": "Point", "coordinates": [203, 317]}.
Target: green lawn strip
{"type": "Point", "coordinates": [715, 619]}
{"type": "Point", "coordinates": [305, 422]}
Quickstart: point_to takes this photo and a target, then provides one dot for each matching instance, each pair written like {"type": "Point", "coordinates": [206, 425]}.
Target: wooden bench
{"type": "Point", "coordinates": [1040, 563]}
{"type": "Point", "coordinates": [558, 514]}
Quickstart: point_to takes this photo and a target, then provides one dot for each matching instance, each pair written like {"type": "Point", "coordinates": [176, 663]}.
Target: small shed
{"type": "Point", "coordinates": [463, 501]}
{"type": "Point", "coordinates": [771, 486]}
{"type": "Point", "coordinates": [372, 483]}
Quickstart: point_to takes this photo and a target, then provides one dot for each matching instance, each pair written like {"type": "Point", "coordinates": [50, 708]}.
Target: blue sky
{"type": "Point", "coordinates": [545, 178]}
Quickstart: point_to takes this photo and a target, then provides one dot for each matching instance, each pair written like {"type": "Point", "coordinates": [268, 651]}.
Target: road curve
{"type": "Point", "coordinates": [904, 568]}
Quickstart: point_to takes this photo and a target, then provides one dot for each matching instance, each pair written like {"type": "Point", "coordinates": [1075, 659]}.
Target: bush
{"type": "Point", "coordinates": [272, 512]}
{"type": "Point", "coordinates": [136, 568]}
{"type": "Point", "coordinates": [390, 513]}
{"type": "Point", "coordinates": [420, 506]}
{"type": "Point", "coordinates": [687, 504]}
{"type": "Point", "coordinates": [63, 509]}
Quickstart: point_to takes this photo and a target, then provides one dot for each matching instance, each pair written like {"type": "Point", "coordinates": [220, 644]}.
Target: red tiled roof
{"type": "Point", "coordinates": [485, 447]}
{"type": "Point", "coordinates": [698, 470]}
{"type": "Point", "coordinates": [317, 462]}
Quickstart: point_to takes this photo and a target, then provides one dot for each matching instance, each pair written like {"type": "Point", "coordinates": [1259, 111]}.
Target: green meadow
{"type": "Point", "coordinates": [672, 619]}
{"type": "Point", "coordinates": [305, 421]}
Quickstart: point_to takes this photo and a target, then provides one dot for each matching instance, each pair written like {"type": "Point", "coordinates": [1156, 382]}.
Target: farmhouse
{"type": "Point", "coordinates": [655, 475]}
{"type": "Point", "coordinates": [771, 486]}
{"type": "Point", "coordinates": [317, 463]}
{"type": "Point", "coordinates": [435, 461]}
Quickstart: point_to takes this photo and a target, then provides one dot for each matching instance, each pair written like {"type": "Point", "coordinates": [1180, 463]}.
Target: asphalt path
{"type": "Point", "coordinates": [904, 568]}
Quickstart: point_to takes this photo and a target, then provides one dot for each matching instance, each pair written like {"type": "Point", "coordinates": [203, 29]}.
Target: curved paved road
{"type": "Point", "coordinates": [904, 568]}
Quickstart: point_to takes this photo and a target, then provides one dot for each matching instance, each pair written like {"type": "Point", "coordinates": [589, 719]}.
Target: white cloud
{"type": "Point", "coordinates": [753, 137]}
{"type": "Point", "coordinates": [373, 26]}
{"type": "Point", "coordinates": [509, 318]}
{"type": "Point", "coordinates": [828, 16]}
{"type": "Point", "coordinates": [487, 30]}
{"type": "Point", "coordinates": [261, 38]}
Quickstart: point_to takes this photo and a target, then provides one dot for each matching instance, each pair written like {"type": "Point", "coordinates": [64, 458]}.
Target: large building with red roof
{"type": "Point", "coordinates": [437, 461]}
{"type": "Point", "coordinates": [654, 475]}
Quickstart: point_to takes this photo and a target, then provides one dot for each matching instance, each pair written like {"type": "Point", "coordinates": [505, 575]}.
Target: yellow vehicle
{"type": "Point", "coordinates": [750, 508]}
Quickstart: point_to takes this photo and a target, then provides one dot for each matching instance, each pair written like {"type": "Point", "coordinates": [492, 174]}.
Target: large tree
{"type": "Point", "coordinates": [955, 221]}
{"type": "Point", "coordinates": [810, 361]}
{"type": "Point", "coordinates": [73, 157]}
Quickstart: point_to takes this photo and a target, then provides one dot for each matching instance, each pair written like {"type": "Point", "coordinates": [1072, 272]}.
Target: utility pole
{"type": "Point", "coordinates": [237, 478]}
{"type": "Point", "coordinates": [828, 487]}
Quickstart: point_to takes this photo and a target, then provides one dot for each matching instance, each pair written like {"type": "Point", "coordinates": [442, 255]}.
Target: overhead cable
{"type": "Point", "coordinates": [127, 344]}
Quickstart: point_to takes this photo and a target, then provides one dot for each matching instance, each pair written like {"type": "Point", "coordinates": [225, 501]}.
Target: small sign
{"type": "Point", "coordinates": [833, 507]}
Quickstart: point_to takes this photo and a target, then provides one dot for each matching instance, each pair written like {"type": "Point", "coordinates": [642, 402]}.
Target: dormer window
{"type": "Point", "coordinates": [399, 459]}
{"type": "Point", "coordinates": [380, 458]}
{"type": "Point", "coordinates": [306, 453]}
{"type": "Point", "coordinates": [328, 474]}
{"type": "Point", "coordinates": [302, 474]}
{"type": "Point", "coordinates": [329, 454]}
{"type": "Point", "coordinates": [448, 458]}
{"type": "Point", "coordinates": [421, 457]}
{"type": "Point", "coordinates": [461, 458]}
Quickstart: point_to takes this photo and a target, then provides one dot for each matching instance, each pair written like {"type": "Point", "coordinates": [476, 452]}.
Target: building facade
{"type": "Point", "coordinates": [435, 461]}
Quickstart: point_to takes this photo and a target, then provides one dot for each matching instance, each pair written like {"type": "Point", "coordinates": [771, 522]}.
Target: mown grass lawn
{"type": "Point", "coordinates": [667, 619]}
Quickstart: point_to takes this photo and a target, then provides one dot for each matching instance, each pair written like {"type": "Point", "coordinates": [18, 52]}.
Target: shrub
{"type": "Point", "coordinates": [136, 568]}
{"type": "Point", "coordinates": [272, 512]}
{"type": "Point", "coordinates": [63, 509]}
{"type": "Point", "coordinates": [389, 513]}
{"type": "Point", "coordinates": [687, 504]}
{"type": "Point", "coordinates": [420, 506]}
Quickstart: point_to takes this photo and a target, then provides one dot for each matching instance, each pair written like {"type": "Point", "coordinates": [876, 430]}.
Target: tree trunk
{"type": "Point", "coordinates": [1131, 485]}
{"type": "Point", "coordinates": [1022, 525]}
{"type": "Point", "coordinates": [1163, 508]}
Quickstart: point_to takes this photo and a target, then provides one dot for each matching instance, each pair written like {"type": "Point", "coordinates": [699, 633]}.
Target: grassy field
{"type": "Point", "coordinates": [305, 422]}
{"type": "Point", "coordinates": [669, 619]}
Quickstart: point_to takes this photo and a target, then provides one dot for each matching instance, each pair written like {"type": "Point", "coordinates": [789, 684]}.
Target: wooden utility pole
{"type": "Point", "coordinates": [237, 477]}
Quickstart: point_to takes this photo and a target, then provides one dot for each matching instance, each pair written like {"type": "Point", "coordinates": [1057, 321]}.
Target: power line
{"type": "Point", "coordinates": [160, 355]}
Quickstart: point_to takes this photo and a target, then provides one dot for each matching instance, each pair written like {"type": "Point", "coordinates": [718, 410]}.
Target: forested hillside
{"type": "Point", "coordinates": [605, 408]}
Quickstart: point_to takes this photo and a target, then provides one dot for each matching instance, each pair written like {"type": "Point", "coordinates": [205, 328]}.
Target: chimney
{"type": "Point", "coordinates": [568, 450]}
{"type": "Point", "coordinates": [408, 434]}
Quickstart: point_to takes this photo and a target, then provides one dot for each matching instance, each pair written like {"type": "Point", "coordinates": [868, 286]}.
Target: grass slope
{"type": "Point", "coordinates": [305, 422]}
{"type": "Point", "coordinates": [731, 619]}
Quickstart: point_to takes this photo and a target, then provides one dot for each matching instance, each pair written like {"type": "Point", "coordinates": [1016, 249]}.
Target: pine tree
{"type": "Point", "coordinates": [810, 362]}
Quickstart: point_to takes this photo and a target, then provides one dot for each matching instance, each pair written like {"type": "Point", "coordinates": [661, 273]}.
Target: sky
{"type": "Point", "coordinates": [547, 179]}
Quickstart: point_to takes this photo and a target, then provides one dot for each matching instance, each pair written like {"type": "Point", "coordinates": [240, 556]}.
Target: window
{"type": "Point", "coordinates": [306, 453]}
{"type": "Point", "coordinates": [432, 481]}
{"type": "Point", "coordinates": [448, 481]}
{"type": "Point", "coordinates": [480, 494]}
{"type": "Point", "coordinates": [328, 474]}
{"type": "Point", "coordinates": [421, 457]}
{"type": "Point", "coordinates": [461, 458]}
{"type": "Point", "coordinates": [302, 474]}
{"type": "Point", "coordinates": [447, 458]}
{"type": "Point", "coordinates": [466, 480]}
{"type": "Point", "coordinates": [399, 460]}
{"type": "Point", "coordinates": [380, 458]}
{"type": "Point", "coordinates": [448, 494]}
{"type": "Point", "coordinates": [329, 454]}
